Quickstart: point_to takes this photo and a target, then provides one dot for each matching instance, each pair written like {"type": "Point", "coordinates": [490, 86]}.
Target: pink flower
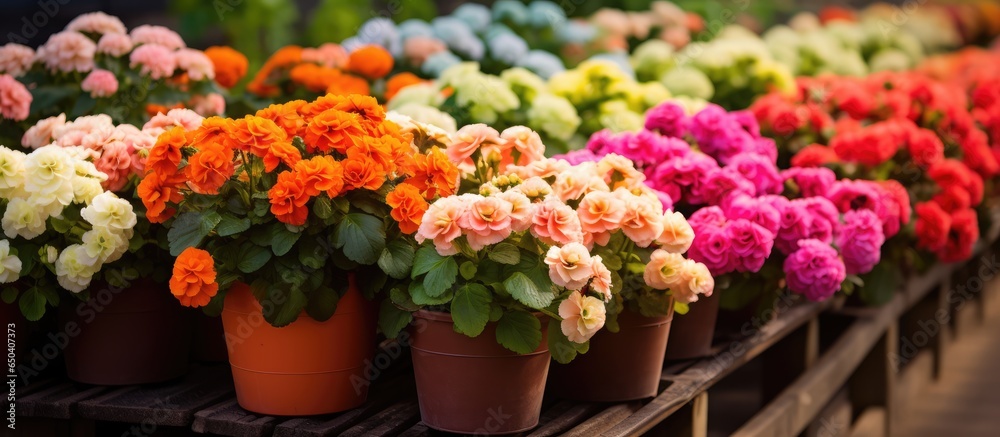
{"type": "Point", "coordinates": [418, 48]}
{"type": "Point", "coordinates": [677, 233]}
{"type": "Point", "coordinates": [329, 55]}
{"type": "Point", "coordinates": [713, 248]}
{"type": "Point", "coordinates": [440, 224]}
{"type": "Point", "coordinates": [860, 241]}
{"type": "Point", "coordinates": [600, 277]}
{"type": "Point", "coordinates": [695, 280]}
{"type": "Point", "coordinates": [534, 188]}
{"type": "Point", "coordinates": [469, 139]}
{"type": "Point", "coordinates": [668, 118]}
{"type": "Point", "coordinates": [683, 177]}
{"type": "Point", "coordinates": [757, 210]}
{"type": "Point", "coordinates": [156, 61]}
{"type": "Point", "coordinates": [160, 123]}
{"type": "Point", "coordinates": [41, 133]}
{"type": "Point", "coordinates": [582, 317]}
{"type": "Point", "coordinates": [723, 185]}
{"type": "Point", "coordinates": [521, 209]}
{"type": "Point", "coordinates": [159, 35]}
{"type": "Point", "coordinates": [577, 181]}
{"type": "Point", "coordinates": [16, 59]}
{"type": "Point", "coordinates": [555, 222]}
{"type": "Point", "coordinates": [750, 244]}
{"type": "Point", "coordinates": [114, 44]}
{"type": "Point", "coordinates": [542, 168]}
{"type": "Point", "coordinates": [570, 266]}
{"type": "Point", "coordinates": [520, 146]}
{"type": "Point", "coordinates": [643, 221]}
{"type": "Point", "coordinates": [814, 270]}
{"type": "Point", "coordinates": [663, 271]}
{"type": "Point", "coordinates": [15, 100]}
{"type": "Point", "coordinates": [116, 163]}
{"type": "Point", "coordinates": [811, 181]}
{"type": "Point", "coordinates": [100, 83]}
{"type": "Point", "coordinates": [758, 170]}
{"type": "Point", "coordinates": [209, 104]}
{"type": "Point", "coordinates": [487, 220]}
{"type": "Point", "coordinates": [600, 213]}
{"type": "Point", "coordinates": [67, 51]}
{"type": "Point", "coordinates": [96, 22]}
{"type": "Point", "coordinates": [195, 63]}
{"type": "Point", "coordinates": [709, 216]}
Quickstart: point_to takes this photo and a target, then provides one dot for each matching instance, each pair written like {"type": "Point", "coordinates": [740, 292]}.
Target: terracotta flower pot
{"type": "Point", "coordinates": [136, 335]}
{"type": "Point", "coordinates": [305, 368]}
{"type": "Point", "coordinates": [474, 385]}
{"type": "Point", "coordinates": [621, 366]}
{"type": "Point", "coordinates": [695, 330]}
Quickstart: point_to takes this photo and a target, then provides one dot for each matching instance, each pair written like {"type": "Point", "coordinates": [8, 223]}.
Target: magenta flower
{"type": "Point", "coordinates": [720, 186]}
{"type": "Point", "coordinates": [669, 119]}
{"type": "Point", "coordinates": [750, 244]}
{"type": "Point", "coordinates": [812, 181]}
{"type": "Point", "coordinates": [860, 241]}
{"type": "Point", "coordinates": [709, 216]}
{"type": "Point", "coordinates": [757, 210]}
{"type": "Point", "coordinates": [760, 171]}
{"type": "Point", "coordinates": [712, 246]}
{"type": "Point", "coordinates": [814, 270]}
{"type": "Point", "coordinates": [682, 177]}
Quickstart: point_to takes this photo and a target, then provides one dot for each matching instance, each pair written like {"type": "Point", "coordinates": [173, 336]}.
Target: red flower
{"type": "Point", "coordinates": [814, 155]}
{"type": "Point", "coordinates": [899, 199]}
{"type": "Point", "coordinates": [952, 198]}
{"type": "Point", "coordinates": [925, 147]}
{"type": "Point", "coordinates": [933, 224]}
{"type": "Point", "coordinates": [962, 237]}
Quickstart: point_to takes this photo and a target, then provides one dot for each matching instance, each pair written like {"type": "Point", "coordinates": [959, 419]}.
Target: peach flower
{"type": "Point", "coordinates": [613, 164]}
{"type": "Point", "coordinates": [15, 100]}
{"type": "Point", "coordinates": [67, 51]}
{"type": "Point", "coordinates": [535, 188]}
{"type": "Point", "coordinates": [521, 209]}
{"type": "Point", "coordinates": [115, 44]}
{"type": "Point", "coordinates": [582, 317]}
{"type": "Point", "coordinates": [16, 59]}
{"type": "Point", "coordinates": [577, 181]}
{"type": "Point", "coordinates": [159, 35]}
{"type": "Point", "coordinates": [97, 22]}
{"type": "Point", "coordinates": [41, 133]}
{"type": "Point", "coordinates": [418, 48]}
{"type": "Point", "coordinates": [116, 163]}
{"type": "Point", "coordinates": [570, 266]}
{"type": "Point", "coordinates": [522, 142]}
{"type": "Point", "coordinates": [600, 213]}
{"type": "Point", "coordinates": [664, 270]}
{"type": "Point", "coordinates": [329, 55]}
{"type": "Point", "coordinates": [156, 61]}
{"type": "Point", "coordinates": [696, 279]}
{"type": "Point", "coordinates": [488, 221]}
{"type": "Point", "coordinates": [677, 233]}
{"type": "Point", "coordinates": [182, 117]}
{"type": "Point", "coordinates": [542, 168]}
{"type": "Point", "coordinates": [100, 83]}
{"type": "Point", "coordinates": [643, 220]}
{"type": "Point", "coordinates": [197, 65]}
{"type": "Point", "coordinates": [209, 104]}
{"type": "Point", "coordinates": [440, 224]}
{"type": "Point", "coordinates": [601, 282]}
{"type": "Point", "coordinates": [555, 222]}
{"type": "Point", "coordinates": [470, 138]}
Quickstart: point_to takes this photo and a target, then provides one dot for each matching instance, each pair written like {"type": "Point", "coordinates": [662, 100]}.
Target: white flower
{"type": "Point", "coordinates": [85, 189]}
{"type": "Point", "coordinates": [11, 172]}
{"type": "Point", "coordinates": [106, 210]}
{"type": "Point", "coordinates": [74, 269]}
{"type": "Point", "coordinates": [24, 219]}
{"type": "Point", "coordinates": [103, 245]}
{"type": "Point", "coordinates": [51, 254]}
{"type": "Point", "coordinates": [52, 171]}
{"type": "Point", "coordinates": [10, 265]}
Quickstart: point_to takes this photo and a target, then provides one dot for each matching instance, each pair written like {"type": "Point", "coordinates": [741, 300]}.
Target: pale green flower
{"type": "Point", "coordinates": [419, 94]}
{"type": "Point", "coordinates": [651, 59]}
{"type": "Point", "coordinates": [688, 81]}
{"type": "Point", "coordinates": [525, 84]}
{"type": "Point", "coordinates": [428, 115]}
{"type": "Point", "coordinates": [553, 115]}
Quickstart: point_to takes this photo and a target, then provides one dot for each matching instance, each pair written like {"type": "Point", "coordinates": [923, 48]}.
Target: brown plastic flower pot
{"type": "Point", "coordinates": [473, 385]}
{"type": "Point", "coordinates": [693, 332]}
{"type": "Point", "coordinates": [136, 335]}
{"type": "Point", "coordinates": [638, 345]}
{"type": "Point", "coordinates": [305, 368]}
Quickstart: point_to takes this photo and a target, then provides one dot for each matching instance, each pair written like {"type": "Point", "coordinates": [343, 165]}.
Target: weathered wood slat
{"type": "Point", "coordinates": [563, 416]}
{"type": "Point", "coordinates": [392, 391]}
{"type": "Point", "coordinates": [227, 418]}
{"type": "Point", "coordinates": [390, 421]}
{"type": "Point", "coordinates": [604, 420]}
{"type": "Point", "coordinates": [58, 401]}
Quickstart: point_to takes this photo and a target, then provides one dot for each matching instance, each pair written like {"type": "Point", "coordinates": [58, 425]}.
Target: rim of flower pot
{"type": "Point", "coordinates": [442, 316]}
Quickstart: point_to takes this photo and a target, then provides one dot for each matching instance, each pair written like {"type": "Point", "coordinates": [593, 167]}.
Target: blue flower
{"type": "Point", "coordinates": [459, 37]}
{"type": "Point", "coordinates": [477, 17]}
{"type": "Point", "coordinates": [414, 27]}
{"type": "Point", "coordinates": [575, 32]}
{"type": "Point", "coordinates": [511, 10]}
{"type": "Point", "coordinates": [497, 29]}
{"type": "Point", "coordinates": [542, 63]}
{"type": "Point", "coordinates": [545, 14]}
{"type": "Point", "coordinates": [383, 32]}
{"type": "Point", "coordinates": [438, 62]}
{"type": "Point", "coordinates": [507, 48]}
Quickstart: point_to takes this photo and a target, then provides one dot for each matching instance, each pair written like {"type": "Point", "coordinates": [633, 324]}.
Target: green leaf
{"type": "Point", "coordinates": [323, 207]}
{"type": "Point", "coordinates": [190, 228]}
{"type": "Point", "coordinates": [84, 104]}
{"type": "Point", "coordinates": [425, 259]}
{"type": "Point", "coordinates": [519, 331]}
{"type": "Point", "coordinates": [282, 239]}
{"type": "Point", "coordinates": [392, 320]}
{"type": "Point", "coordinates": [32, 304]}
{"type": "Point", "coordinates": [470, 309]}
{"type": "Point", "coordinates": [231, 225]}
{"type": "Point", "coordinates": [397, 259]}
{"type": "Point", "coordinates": [420, 297]}
{"type": "Point", "coordinates": [496, 311]}
{"type": "Point", "coordinates": [468, 270]}
{"type": "Point", "coordinates": [402, 299]}
{"type": "Point", "coordinates": [322, 304]}
{"type": "Point", "coordinates": [9, 295]}
{"type": "Point", "coordinates": [880, 285]}
{"type": "Point", "coordinates": [441, 278]}
{"type": "Point", "coordinates": [361, 237]}
{"type": "Point", "coordinates": [563, 350]}
{"type": "Point", "coordinates": [526, 291]}
{"type": "Point", "coordinates": [252, 258]}
{"type": "Point", "coordinates": [287, 311]}
{"type": "Point", "coordinates": [505, 253]}
{"type": "Point", "coordinates": [313, 252]}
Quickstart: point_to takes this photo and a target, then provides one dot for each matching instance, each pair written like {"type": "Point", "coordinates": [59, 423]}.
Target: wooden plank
{"type": "Point", "coordinates": [870, 423]}
{"type": "Point", "coordinates": [873, 382]}
{"type": "Point", "coordinates": [58, 401]}
{"type": "Point", "coordinates": [834, 420]}
{"type": "Point", "coordinates": [563, 416]}
{"type": "Point", "coordinates": [390, 421]}
{"type": "Point", "coordinates": [699, 416]}
{"type": "Point", "coordinates": [228, 419]}
{"type": "Point", "coordinates": [396, 389]}
{"type": "Point", "coordinates": [789, 358]}
{"type": "Point", "coordinates": [910, 382]}
{"type": "Point", "coordinates": [604, 420]}
{"type": "Point", "coordinates": [170, 404]}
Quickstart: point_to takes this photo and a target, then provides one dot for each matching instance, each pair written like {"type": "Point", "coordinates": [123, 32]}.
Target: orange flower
{"type": "Point", "coordinates": [209, 168]}
{"type": "Point", "coordinates": [153, 108]}
{"type": "Point", "coordinates": [193, 280]}
{"type": "Point", "coordinates": [283, 58]}
{"type": "Point", "coordinates": [362, 172]}
{"type": "Point", "coordinates": [346, 84]}
{"type": "Point", "coordinates": [408, 207]}
{"type": "Point", "coordinates": [230, 65]}
{"type": "Point", "coordinates": [400, 81]}
{"type": "Point", "coordinates": [314, 77]}
{"type": "Point", "coordinates": [166, 155]}
{"type": "Point", "coordinates": [286, 116]}
{"type": "Point", "coordinates": [379, 149]}
{"type": "Point", "coordinates": [321, 174]}
{"type": "Point", "coordinates": [370, 61]}
{"type": "Point", "coordinates": [435, 175]}
{"type": "Point", "coordinates": [156, 190]}
{"type": "Point", "coordinates": [333, 130]}
{"type": "Point", "coordinates": [266, 140]}
{"type": "Point", "coordinates": [213, 130]}
{"type": "Point", "coordinates": [288, 199]}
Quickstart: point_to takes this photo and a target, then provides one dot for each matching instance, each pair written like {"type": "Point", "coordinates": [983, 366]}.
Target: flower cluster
{"type": "Point", "coordinates": [664, 22]}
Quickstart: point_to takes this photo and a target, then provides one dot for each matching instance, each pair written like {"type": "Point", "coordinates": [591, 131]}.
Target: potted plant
{"type": "Point", "coordinates": [282, 222]}
{"type": "Point", "coordinates": [502, 279]}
